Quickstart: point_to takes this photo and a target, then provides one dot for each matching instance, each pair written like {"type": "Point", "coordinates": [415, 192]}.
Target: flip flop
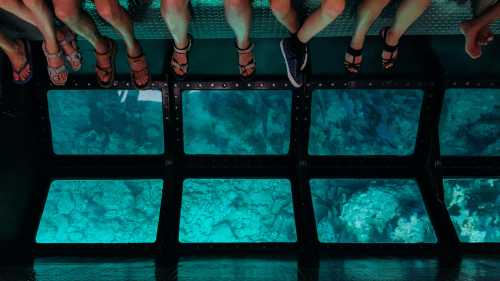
{"type": "Point", "coordinates": [28, 63]}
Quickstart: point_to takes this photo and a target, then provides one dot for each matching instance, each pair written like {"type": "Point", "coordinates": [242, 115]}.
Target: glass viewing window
{"type": "Point", "coordinates": [106, 122]}
{"type": "Point", "coordinates": [237, 211]}
{"type": "Point", "coordinates": [364, 121]}
{"type": "Point", "coordinates": [470, 122]}
{"type": "Point", "coordinates": [370, 211]}
{"type": "Point", "coordinates": [233, 122]}
{"type": "Point", "coordinates": [474, 207]}
{"type": "Point", "coordinates": [101, 211]}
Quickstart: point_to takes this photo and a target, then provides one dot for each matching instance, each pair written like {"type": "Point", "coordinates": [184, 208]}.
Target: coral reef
{"type": "Point", "coordinates": [370, 211]}
{"type": "Point", "coordinates": [474, 207]}
{"type": "Point", "coordinates": [101, 211]}
{"type": "Point", "coordinates": [236, 122]}
{"type": "Point", "coordinates": [111, 122]}
{"type": "Point", "coordinates": [364, 122]}
{"type": "Point", "coordinates": [470, 122]}
{"type": "Point", "coordinates": [237, 210]}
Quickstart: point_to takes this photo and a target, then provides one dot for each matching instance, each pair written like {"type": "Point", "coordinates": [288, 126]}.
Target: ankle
{"type": "Point", "coordinates": [392, 37]}
{"type": "Point", "coordinates": [134, 50]}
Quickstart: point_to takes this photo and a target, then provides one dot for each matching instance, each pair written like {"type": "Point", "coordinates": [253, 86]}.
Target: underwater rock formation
{"type": "Point", "coordinates": [237, 122]}
{"type": "Point", "coordinates": [370, 211]}
{"type": "Point", "coordinates": [364, 122]}
{"type": "Point", "coordinates": [101, 211]}
{"type": "Point", "coordinates": [96, 122]}
{"type": "Point", "coordinates": [237, 210]}
{"type": "Point", "coordinates": [470, 122]}
{"type": "Point", "coordinates": [474, 207]}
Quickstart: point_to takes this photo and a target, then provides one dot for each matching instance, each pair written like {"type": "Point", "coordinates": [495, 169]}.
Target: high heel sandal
{"type": "Point", "coordinates": [176, 65]}
{"type": "Point", "coordinates": [352, 65]}
{"type": "Point", "coordinates": [250, 66]}
{"type": "Point", "coordinates": [70, 48]}
{"type": "Point", "coordinates": [389, 63]}
{"type": "Point", "coordinates": [58, 74]}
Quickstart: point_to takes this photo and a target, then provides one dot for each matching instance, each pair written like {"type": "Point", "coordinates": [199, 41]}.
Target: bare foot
{"type": "Point", "coordinates": [472, 47]}
{"type": "Point", "coordinates": [18, 60]}
{"type": "Point", "coordinates": [485, 36]}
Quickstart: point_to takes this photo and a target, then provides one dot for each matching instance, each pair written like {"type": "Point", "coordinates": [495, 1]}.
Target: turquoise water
{"type": "Point", "coordinates": [237, 211]}
{"type": "Point", "coordinates": [237, 122]}
{"type": "Point", "coordinates": [364, 122]}
{"type": "Point", "coordinates": [109, 122]}
{"type": "Point", "coordinates": [474, 207]}
{"type": "Point", "coordinates": [470, 122]}
{"type": "Point", "coordinates": [370, 211]}
{"type": "Point", "coordinates": [101, 211]}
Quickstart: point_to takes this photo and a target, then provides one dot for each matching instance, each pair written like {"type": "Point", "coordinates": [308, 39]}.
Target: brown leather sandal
{"type": "Point", "coordinates": [138, 67]}
{"type": "Point", "coordinates": [70, 48]}
{"type": "Point", "coordinates": [106, 74]}
{"type": "Point", "coordinates": [176, 65]}
{"type": "Point", "coordinates": [250, 66]}
{"type": "Point", "coordinates": [27, 65]}
{"type": "Point", "coordinates": [58, 75]}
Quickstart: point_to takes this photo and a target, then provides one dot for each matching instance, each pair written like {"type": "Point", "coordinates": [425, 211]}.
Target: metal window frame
{"type": "Point", "coordinates": [426, 166]}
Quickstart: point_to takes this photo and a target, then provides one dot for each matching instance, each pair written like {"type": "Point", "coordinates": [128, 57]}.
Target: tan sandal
{"type": "Point", "coordinates": [183, 67]}
{"type": "Point", "coordinates": [58, 75]}
{"type": "Point", "coordinates": [70, 48]}
{"type": "Point", "coordinates": [250, 66]}
{"type": "Point", "coordinates": [138, 66]}
{"type": "Point", "coordinates": [108, 72]}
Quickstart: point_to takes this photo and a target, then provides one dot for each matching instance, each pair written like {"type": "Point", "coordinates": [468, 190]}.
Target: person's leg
{"type": "Point", "coordinates": [485, 35]}
{"type": "Point", "coordinates": [113, 13]}
{"type": "Point", "coordinates": [70, 13]}
{"type": "Point", "coordinates": [321, 18]}
{"type": "Point", "coordinates": [239, 17]}
{"type": "Point", "coordinates": [368, 12]}
{"type": "Point", "coordinates": [471, 29]}
{"type": "Point", "coordinates": [15, 51]}
{"type": "Point", "coordinates": [176, 15]}
{"type": "Point", "coordinates": [285, 13]}
{"type": "Point", "coordinates": [407, 13]}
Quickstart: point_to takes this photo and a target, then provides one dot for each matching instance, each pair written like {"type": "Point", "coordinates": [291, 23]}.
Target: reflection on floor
{"type": "Point", "coordinates": [252, 269]}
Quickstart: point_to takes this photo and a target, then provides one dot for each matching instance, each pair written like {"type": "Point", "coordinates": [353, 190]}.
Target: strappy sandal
{"type": "Point", "coordinates": [138, 66]}
{"type": "Point", "coordinates": [56, 74]}
{"type": "Point", "coordinates": [389, 63]}
{"type": "Point", "coordinates": [350, 65]}
{"type": "Point", "coordinates": [176, 65]}
{"type": "Point", "coordinates": [106, 71]}
{"type": "Point", "coordinates": [16, 73]}
{"type": "Point", "coordinates": [250, 65]}
{"type": "Point", "coordinates": [70, 48]}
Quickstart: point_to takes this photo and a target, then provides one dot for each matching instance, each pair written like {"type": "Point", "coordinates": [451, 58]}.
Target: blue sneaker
{"type": "Point", "coordinates": [295, 62]}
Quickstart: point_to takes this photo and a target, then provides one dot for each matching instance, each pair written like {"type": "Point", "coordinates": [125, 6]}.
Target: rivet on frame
{"type": "Point", "coordinates": [127, 84]}
{"type": "Point", "coordinates": [332, 84]}
{"type": "Point", "coordinates": [224, 85]}
{"type": "Point", "coordinates": [370, 84]}
{"type": "Point", "coordinates": [212, 85]}
{"type": "Point", "coordinates": [175, 85]}
{"type": "Point", "coordinates": [320, 84]}
{"type": "Point", "coordinates": [188, 85]}
{"type": "Point", "coordinates": [286, 84]}
{"type": "Point", "coordinates": [274, 84]}
{"type": "Point", "coordinates": [200, 85]}
{"type": "Point", "coordinates": [261, 85]}
{"type": "Point", "coordinates": [237, 84]}
{"type": "Point", "coordinates": [249, 85]}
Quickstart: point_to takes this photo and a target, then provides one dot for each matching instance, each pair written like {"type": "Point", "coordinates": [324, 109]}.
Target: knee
{"type": "Point", "coordinates": [333, 8]}
{"type": "Point", "coordinates": [109, 11]}
{"type": "Point", "coordinates": [281, 7]}
{"type": "Point", "coordinates": [66, 14]}
{"type": "Point", "coordinates": [169, 7]}
{"type": "Point", "coordinates": [33, 4]}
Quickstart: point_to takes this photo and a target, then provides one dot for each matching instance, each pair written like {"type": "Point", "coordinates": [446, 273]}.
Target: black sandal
{"type": "Point", "coordinates": [174, 64]}
{"type": "Point", "coordinates": [389, 63]}
{"type": "Point", "coordinates": [106, 71]}
{"type": "Point", "coordinates": [349, 65]}
{"type": "Point", "coordinates": [249, 66]}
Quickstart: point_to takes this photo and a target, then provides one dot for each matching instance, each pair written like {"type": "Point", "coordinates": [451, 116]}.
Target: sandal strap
{"type": "Point", "coordinates": [186, 49]}
{"type": "Point", "coordinates": [245, 51]}
{"type": "Point", "coordinates": [250, 65]}
{"type": "Point", "coordinates": [354, 52]}
{"type": "Point", "coordinates": [56, 70]}
{"type": "Point", "coordinates": [49, 55]}
{"type": "Point", "coordinates": [138, 63]}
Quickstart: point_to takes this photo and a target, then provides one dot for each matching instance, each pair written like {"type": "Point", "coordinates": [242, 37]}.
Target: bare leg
{"type": "Point", "coordinates": [368, 12]}
{"type": "Point", "coordinates": [471, 29]}
{"type": "Point", "coordinates": [69, 12]}
{"type": "Point", "coordinates": [114, 14]}
{"type": "Point", "coordinates": [177, 16]}
{"type": "Point", "coordinates": [408, 12]}
{"type": "Point", "coordinates": [321, 18]}
{"type": "Point", "coordinates": [285, 13]}
{"type": "Point", "coordinates": [16, 54]}
{"type": "Point", "coordinates": [239, 17]}
{"type": "Point", "coordinates": [485, 35]}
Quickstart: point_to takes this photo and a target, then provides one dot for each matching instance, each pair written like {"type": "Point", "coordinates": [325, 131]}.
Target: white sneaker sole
{"type": "Point", "coordinates": [289, 74]}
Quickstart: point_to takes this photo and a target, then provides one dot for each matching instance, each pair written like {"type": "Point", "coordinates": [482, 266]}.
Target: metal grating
{"type": "Point", "coordinates": [209, 21]}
